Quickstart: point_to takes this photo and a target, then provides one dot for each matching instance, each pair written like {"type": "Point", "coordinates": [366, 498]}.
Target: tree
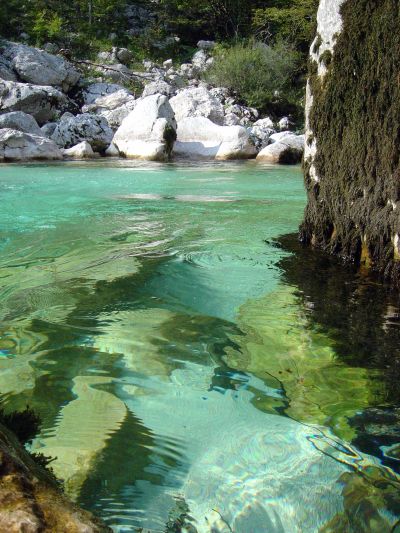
{"type": "Point", "coordinates": [293, 21]}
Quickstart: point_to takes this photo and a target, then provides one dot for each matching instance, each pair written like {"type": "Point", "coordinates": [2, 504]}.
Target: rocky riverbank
{"type": "Point", "coordinates": [52, 108]}
{"type": "Point", "coordinates": [30, 500]}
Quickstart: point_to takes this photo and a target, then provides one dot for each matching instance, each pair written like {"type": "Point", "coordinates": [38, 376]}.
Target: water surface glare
{"type": "Point", "coordinates": [183, 378]}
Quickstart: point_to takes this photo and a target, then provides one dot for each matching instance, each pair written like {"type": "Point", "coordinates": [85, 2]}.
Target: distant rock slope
{"type": "Point", "coordinates": [352, 163]}
{"type": "Point", "coordinates": [48, 110]}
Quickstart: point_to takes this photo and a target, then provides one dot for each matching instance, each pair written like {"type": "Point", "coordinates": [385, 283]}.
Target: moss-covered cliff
{"type": "Point", "coordinates": [352, 164]}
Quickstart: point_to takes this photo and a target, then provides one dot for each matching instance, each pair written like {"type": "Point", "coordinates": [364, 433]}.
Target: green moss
{"type": "Point", "coordinates": [326, 58]}
{"type": "Point", "coordinates": [356, 120]}
{"type": "Point", "coordinates": [169, 138]}
{"type": "Point", "coordinates": [317, 44]}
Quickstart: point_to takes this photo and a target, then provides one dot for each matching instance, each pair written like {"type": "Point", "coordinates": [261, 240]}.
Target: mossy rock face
{"type": "Point", "coordinates": [31, 501]}
{"type": "Point", "coordinates": [353, 177]}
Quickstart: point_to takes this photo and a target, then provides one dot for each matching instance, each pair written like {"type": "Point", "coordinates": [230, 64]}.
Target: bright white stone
{"type": "Point", "coordinates": [198, 137]}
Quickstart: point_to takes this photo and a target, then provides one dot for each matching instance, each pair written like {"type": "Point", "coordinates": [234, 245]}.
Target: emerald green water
{"type": "Point", "coordinates": [188, 370]}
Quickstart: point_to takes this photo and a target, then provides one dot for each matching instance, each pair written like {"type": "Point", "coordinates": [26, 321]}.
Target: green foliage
{"type": "Point", "coordinates": [46, 26]}
{"type": "Point", "coordinates": [291, 20]}
{"type": "Point", "coordinates": [61, 22]}
{"type": "Point", "coordinates": [260, 74]}
{"type": "Point", "coordinates": [215, 19]}
{"type": "Point", "coordinates": [12, 18]}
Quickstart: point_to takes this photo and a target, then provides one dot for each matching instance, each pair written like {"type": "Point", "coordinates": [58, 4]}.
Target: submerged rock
{"type": "Point", "coordinates": [83, 430]}
{"type": "Point", "coordinates": [149, 131]}
{"type": "Point", "coordinates": [19, 146]}
{"type": "Point", "coordinates": [198, 137]}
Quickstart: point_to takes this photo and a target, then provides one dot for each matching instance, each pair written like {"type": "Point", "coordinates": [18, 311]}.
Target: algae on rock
{"type": "Point", "coordinates": [280, 347]}
{"type": "Point", "coordinates": [352, 165]}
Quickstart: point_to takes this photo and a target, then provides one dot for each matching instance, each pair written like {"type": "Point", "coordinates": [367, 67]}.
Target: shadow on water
{"type": "Point", "coordinates": [362, 317]}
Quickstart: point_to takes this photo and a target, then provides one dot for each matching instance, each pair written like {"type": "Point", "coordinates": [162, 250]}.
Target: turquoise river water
{"type": "Point", "coordinates": [194, 369]}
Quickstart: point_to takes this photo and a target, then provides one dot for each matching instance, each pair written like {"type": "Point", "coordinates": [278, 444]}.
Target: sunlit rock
{"type": "Point", "coordinates": [39, 67]}
{"type": "Point", "coordinates": [197, 102]}
{"type": "Point", "coordinates": [44, 103]}
{"type": "Point", "coordinates": [72, 130]}
{"type": "Point", "coordinates": [148, 132]}
{"type": "Point", "coordinates": [83, 150]}
{"type": "Point", "coordinates": [19, 146]}
{"type": "Point", "coordinates": [280, 153]}
{"type": "Point", "coordinates": [198, 137]}
{"type": "Point", "coordinates": [18, 120]}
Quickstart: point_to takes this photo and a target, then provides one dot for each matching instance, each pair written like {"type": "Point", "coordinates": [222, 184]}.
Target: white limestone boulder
{"type": "Point", "coordinates": [261, 132]}
{"type": "Point", "coordinates": [20, 146]}
{"type": "Point", "coordinates": [206, 45]}
{"type": "Point", "coordinates": [284, 123]}
{"type": "Point", "coordinates": [82, 150]}
{"type": "Point", "coordinates": [197, 102]}
{"type": "Point", "coordinates": [158, 87]}
{"type": "Point", "coordinates": [97, 90]}
{"type": "Point", "coordinates": [117, 72]}
{"type": "Point", "coordinates": [48, 129]}
{"type": "Point", "coordinates": [41, 68]}
{"type": "Point", "coordinates": [231, 120]}
{"type": "Point", "coordinates": [18, 120]}
{"type": "Point", "coordinates": [187, 70]}
{"type": "Point", "coordinates": [43, 103]}
{"type": "Point", "coordinates": [114, 107]}
{"type": "Point", "coordinates": [112, 151]}
{"type": "Point", "coordinates": [280, 153]}
{"type": "Point", "coordinates": [290, 139]}
{"type": "Point", "coordinates": [246, 115]}
{"type": "Point", "coordinates": [199, 61]}
{"type": "Point", "coordinates": [198, 137]}
{"type": "Point", "coordinates": [72, 130]}
{"type": "Point", "coordinates": [149, 131]}
{"type": "Point", "coordinates": [6, 71]}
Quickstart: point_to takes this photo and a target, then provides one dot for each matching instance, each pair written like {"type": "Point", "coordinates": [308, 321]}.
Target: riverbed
{"type": "Point", "coordinates": [191, 366]}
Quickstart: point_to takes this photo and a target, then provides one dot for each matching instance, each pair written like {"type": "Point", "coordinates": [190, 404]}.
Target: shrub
{"type": "Point", "coordinates": [259, 73]}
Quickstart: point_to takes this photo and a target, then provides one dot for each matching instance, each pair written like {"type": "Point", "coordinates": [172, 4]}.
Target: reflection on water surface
{"type": "Point", "coordinates": [192, 368]}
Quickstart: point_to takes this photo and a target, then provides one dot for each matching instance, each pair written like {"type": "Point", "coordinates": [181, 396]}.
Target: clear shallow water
{"type": "Point", "coordinates": [185, 370]}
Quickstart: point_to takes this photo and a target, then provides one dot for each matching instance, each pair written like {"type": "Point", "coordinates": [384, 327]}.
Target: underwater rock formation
{"type": "Point", "coordinates": [351, 162]}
